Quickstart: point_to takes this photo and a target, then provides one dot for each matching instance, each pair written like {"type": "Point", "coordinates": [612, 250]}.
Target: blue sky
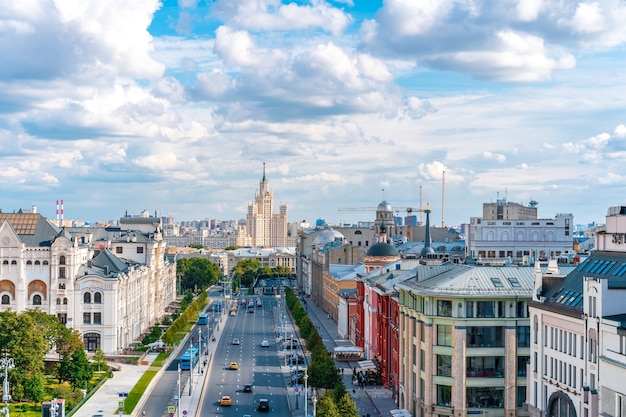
{"type": "Point", "coordinates": [173, 107]}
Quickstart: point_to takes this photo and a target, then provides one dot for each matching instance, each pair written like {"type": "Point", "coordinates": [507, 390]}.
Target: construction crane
{"type": "Point", "coordinates": [409, 211]}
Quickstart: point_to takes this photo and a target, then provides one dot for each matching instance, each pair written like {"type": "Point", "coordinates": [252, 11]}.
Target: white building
{"type": "Point", "coordinates": [110, 289]}
{"type": "Point", "coordinates": [508, 233]}
{"type": "Point", "coordinates": [578, 350]}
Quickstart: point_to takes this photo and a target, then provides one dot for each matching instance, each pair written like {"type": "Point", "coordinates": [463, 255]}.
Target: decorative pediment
{"type": "Point", "coordinates": [8, 237]}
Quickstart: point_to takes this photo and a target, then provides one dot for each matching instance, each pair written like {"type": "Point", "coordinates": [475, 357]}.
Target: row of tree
{"type": "Point", "coordinates": [322, 372]}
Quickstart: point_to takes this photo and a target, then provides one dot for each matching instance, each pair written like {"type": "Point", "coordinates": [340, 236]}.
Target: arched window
{"type": "Point", "coordinates": [37, 263]}
{"type": "Point", "coordinates": [45, 262]}
{"type": "Point", "coordinates": [37, 300]}
{"type": "Point", "coordinates": [87, 298]}
{"type": "Point", "coordinates": [6, 299]}
{"type": "Point", "coordinates": [5, 262]}
{"type": "Point", "coordinates": [29, 262]}
{"type": "Point", "coordinates": [65, 300]}
{"type": "Point", "coordinates": [13, 262]}
{"type": "Point", "coordinates": [58, 301]}
{"type": "Point", "coordinates": [61, 260]}
{"type": "Point", "coordinates": [97, 297]}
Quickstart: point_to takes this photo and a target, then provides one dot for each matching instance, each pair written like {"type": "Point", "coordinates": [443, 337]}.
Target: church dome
{"type": "Point", "coordinates": [382, 249]}
{"type": "Point", "coordinates": [327, 236]}
{"type": "Point", "coordinates": [384, 206]}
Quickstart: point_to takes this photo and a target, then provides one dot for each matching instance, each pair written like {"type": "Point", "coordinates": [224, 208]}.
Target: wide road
{"type": "Point", "coordinates": [259, 366]}
{"type": "Point", "coordinates": [166, 389]}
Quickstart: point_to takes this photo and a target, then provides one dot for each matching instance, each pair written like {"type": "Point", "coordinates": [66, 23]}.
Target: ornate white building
{"type": "Point", "coordinates": [109, 284]}
{"type": "Point", "coordinates": [264, 228]}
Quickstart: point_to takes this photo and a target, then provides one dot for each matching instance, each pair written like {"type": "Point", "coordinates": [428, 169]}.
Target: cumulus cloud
{"type": "Point", "coordinates": [274, 15]}
{"type": "Point", "coordinates": [494, 156]}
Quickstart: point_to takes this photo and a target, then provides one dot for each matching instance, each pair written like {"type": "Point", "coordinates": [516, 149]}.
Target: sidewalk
{"type": "Point", "coordinates": [105, 401]}
{"type": "Point", "coordinates": [375, 401]}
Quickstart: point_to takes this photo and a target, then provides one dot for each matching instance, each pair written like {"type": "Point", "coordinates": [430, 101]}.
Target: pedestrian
{"type": "Point", "coordinates": [353, 391]}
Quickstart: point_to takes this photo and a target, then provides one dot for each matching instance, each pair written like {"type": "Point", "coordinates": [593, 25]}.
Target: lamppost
{"type": "Point", "coordinates": [306, 393]}
{"type": "Point", "coordinates": [200, 366]}
{"type": "Point", "coordinates": [178, 404]}
{"type": "Point", "coordinates": [6, 363]}
{"type": "Point", "coordinates": [314, 404]}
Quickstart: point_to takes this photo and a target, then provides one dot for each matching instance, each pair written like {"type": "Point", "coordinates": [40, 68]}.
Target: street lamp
{"type": "Point", "coordinates": [200, 366]}
{"type": "Point", "coordinates": [314, 404]}
{"type": "Point", "coordinates": [306, 393]}
{"type": "Point", "coordinates": [190, 364]}
{"type": "Point", "coordinates": [6, 363]}
{"type": "Point", "coordinates": [178, 404]}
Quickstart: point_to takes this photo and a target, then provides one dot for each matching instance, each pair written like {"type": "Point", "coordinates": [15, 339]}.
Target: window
{"type": "Point", "coordinates": [37, 299]}
{"type": "Point", "coordinates": [444, 308]}
{"type": "Point", "coordinates": [87, 298]}
{"type": "Point", "coordinates": [62, 272]}
{"type": "Point", "coordinates": [522, 361]}
{"type": "Point", "coordinates": [97, 298]}
{"type": "Point", "coordinates": [444, 335]}
{"type": "Point", "coordinates": [61, 285]}
{"type": "Point", "coordinates": [97, 318]}
{"type": "Point", "coordinates": [58, 301]}
{"type": "Point", "coordinates": [61, 260]}
{"type": "Point", "coordinates": [118, 249]}
{"type": "Point", "coordinates": [444, 395]}
{"type": "Point", "coordinates": [469, 309]}
{"type": "Point", "coordinates": [140, 250]}
{"type": "Point", "coordinates": [520, 398]}
{"type": "Point", "coordinates": [6, 299]}
{"type": "Point", "coordinates": [485, 309]}
{"type": "Point", "coordinates": [444, 365]}
{"type": "Point", "coordinates": [5, 262]}
{"type": "Point", "coordinates": [65, 300]}
{"type": "Point", "coordinates": [496, 281]}
{"type": "Point", "coordinates": [29, 262]}
{"type": "Point", "coordinates": [592, 306]}
{"type": "Point", "coordinates": [523, 336]}
{"type": "Point", "coordinates": [86, 318]}
{"type": "Point", "coordinates": [487, 336]}
{"type": "Point", "coordinates": [422, 359]}
{"type": "Point", "coordinates": [535, 331]}
{"type": "Point", "coordinates": [485, 397]}
{"type": "Point", "coordinates": [485, 366]}
{"type": "Point", "coordinates": [522, 309]}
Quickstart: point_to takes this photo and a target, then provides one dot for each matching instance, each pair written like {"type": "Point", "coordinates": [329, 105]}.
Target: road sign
{"type": "Point", "coordinates": [171, 409]}
{"type": "Point", "coordinates": [184, 412]}
{"type": "Point", "coordinates": [122, 394]}
{"type": "Point", "coordinates": [296, 390]}
{"type": "Point", "coordinates": [120, 404]}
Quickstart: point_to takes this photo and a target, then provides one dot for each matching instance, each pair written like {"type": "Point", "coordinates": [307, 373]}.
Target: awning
{"type": "Point", "coordinates": [366, 365]}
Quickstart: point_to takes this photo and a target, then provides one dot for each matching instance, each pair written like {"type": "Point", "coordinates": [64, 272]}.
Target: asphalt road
{"type": "Point", "coordinates": [259, 366]}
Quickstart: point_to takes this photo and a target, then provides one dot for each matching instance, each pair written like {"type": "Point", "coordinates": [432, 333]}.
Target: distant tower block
{"type": "Point", "coordinates": [60, 213]}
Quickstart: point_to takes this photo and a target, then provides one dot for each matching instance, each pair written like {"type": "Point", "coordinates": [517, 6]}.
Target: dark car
{"type": "Point", "coordinates": [247, 388]}
{"type": "Point", "coordinates": [264, 405]}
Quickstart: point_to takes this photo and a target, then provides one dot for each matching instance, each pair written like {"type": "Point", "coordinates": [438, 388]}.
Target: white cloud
{"type": "Point", "coordinates": [494, 156]}
{"type": "Point", "coordinates": [274, 15]}
{"type": "Point", "coordinates": [588, 18]}
{"type": "Point", "coordinates": [528, 10]}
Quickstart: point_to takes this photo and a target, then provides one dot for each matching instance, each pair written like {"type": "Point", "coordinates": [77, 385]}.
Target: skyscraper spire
{"type": "Point", "coordinates": [263, 171]}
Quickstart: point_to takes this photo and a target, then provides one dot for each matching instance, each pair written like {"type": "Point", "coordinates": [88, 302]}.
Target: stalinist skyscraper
{"type": "Point", "coordinates": [264, 228]}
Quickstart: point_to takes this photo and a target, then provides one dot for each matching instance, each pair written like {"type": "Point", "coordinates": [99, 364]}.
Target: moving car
{"type": "Point", "coordinates": [264, 405]}
{"type": "Point", "coordinates": [236, 341]}
{"type": "Point", "coordinates": [226, 400]}
{"type": "Point", "coordinates": [265, 343]}
{"type": "Point", "coordinates": [247, 388]}
{"type": "Point", "coordinates": [233, 365]}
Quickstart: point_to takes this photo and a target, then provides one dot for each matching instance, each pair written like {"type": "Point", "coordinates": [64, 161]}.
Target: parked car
{"type": "Point", "coordinates": [295, 359]}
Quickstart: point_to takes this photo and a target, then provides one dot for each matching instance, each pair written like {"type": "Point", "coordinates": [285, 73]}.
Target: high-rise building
{"type": "Point", "coordinates": [264, 228]}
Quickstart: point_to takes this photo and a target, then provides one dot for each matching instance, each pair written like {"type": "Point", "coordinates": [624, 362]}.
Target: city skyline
{"type": "Point", "coordinates": [173, 106]}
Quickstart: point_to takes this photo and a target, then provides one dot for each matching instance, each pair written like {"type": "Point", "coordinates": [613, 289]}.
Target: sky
{"type": "Point", "coordinates": [118, 106]}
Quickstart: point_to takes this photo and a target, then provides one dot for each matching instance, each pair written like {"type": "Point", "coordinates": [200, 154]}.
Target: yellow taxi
{"type": "Point", "coordinates": [233, 365]}
{"type": "Point", "coordinates": [226, 400]}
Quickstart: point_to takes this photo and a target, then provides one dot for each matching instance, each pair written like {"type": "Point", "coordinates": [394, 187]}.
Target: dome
{"type": "Point", "coordinates": [382, 249]}
{"type": "Point", "coordinates": [427, 250]}
{"type": "Point", "coordinates": [327, 236]}
{"type": "Point", "coordinates": [384, 206]}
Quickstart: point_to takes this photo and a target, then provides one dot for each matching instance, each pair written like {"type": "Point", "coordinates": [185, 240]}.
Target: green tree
{"type": "Point", "coordinates": [326, 406]}
{"type": "Point", "coordinates": [197, 273]}
{"type": "Point", "coordinates": [245, 272]}
{"type": "Point", "coordinates": [80, 370]}
{"type": "Point", "coordinates": [346, 406]}
{"type": "Point", "coordinates": [99, 360]}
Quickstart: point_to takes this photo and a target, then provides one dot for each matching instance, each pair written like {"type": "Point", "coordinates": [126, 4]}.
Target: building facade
{"type": "Point", "coordinates": [111, 289]}
{"type": "Point", "coordinates": [507, 233]}
{"type": "Point", "coordinates": [578, 351]}
{"type": "Point", "coordinates": [264, 227]}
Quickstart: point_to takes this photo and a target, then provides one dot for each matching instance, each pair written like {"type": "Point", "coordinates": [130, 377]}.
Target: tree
{"type": "Point", "coordinates": [79, 370]}
{"type": "Point", "coordinates": [326, 406]}
{"type": "Point", "coordinates": [99, 360]}
{"type": "Point", "coordinates": [347, 407]}
{"type": "Point", "coordinates": [245, 272]}
{"type": "Point", "coordinates": [197, 273]}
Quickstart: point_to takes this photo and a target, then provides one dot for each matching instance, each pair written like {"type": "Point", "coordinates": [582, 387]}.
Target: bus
{"type": "Point", "coordinates": [203, 318]}
{"type": "Point", "coordinates": [189, 359]}
{"type": "Point", "coordinates": [217, 306]}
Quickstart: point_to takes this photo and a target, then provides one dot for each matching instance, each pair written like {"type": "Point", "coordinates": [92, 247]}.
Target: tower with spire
{"type": "Point", "coordinates": [264, 228]}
